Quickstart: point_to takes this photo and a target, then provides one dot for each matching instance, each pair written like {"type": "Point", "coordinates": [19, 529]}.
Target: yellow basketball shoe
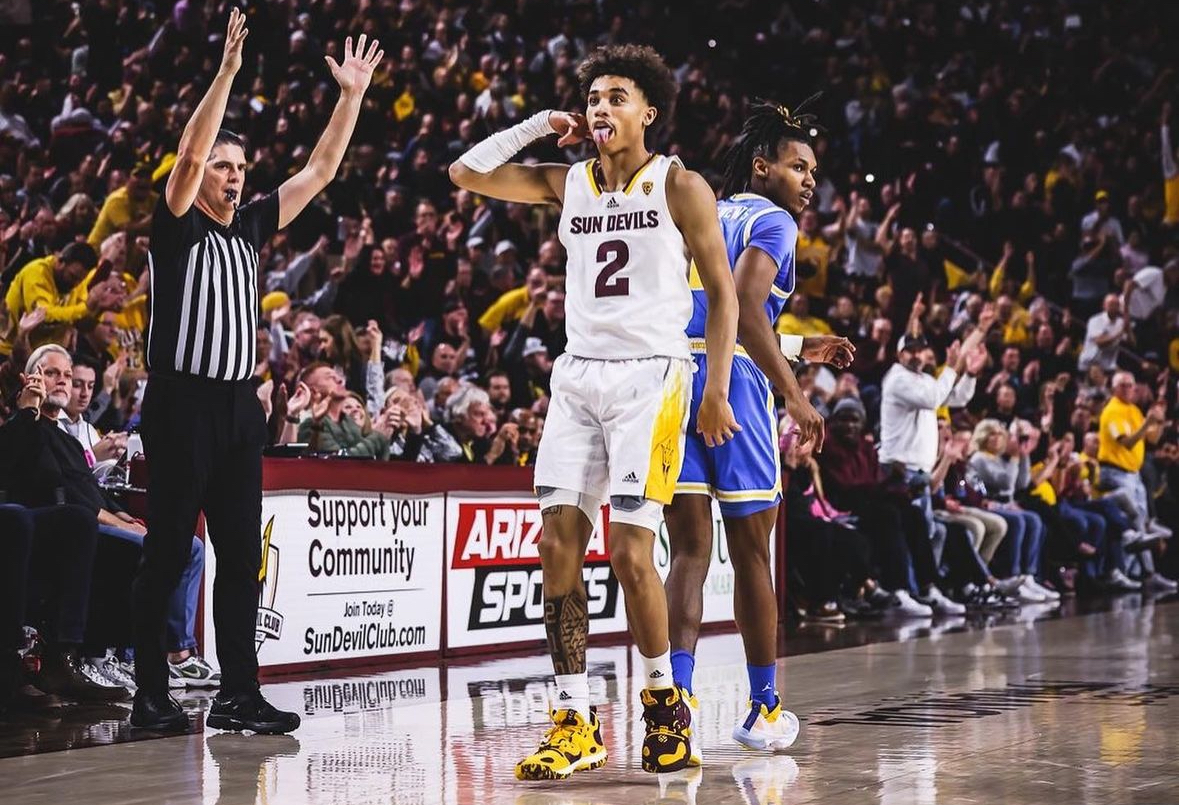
{"type": "Point", "coordinates": [695, 754]}
{"type": "Point", "coordinates": [571, 744]}
{"type": "Point", "coordinates": [667, 744]}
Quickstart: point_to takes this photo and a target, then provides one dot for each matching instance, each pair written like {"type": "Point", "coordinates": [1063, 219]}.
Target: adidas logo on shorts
{"type": "Point", "coordinates": [612, 204]}
{"type": "Point", "coordinates": [564, 696]}
{"type": "Point", "coordinates": [630, 478]}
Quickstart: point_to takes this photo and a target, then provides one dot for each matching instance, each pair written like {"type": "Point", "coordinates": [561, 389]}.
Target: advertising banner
{"type": "Point", "coordinates": [494, 592]}
{"type": "Point", "coordinates": [344, 575]}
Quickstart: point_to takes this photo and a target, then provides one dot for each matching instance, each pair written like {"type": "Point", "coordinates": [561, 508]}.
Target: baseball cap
{"type": "Point", "coordinates": [504, 246]}
{"type": "Point", "coordinates": [474, 242]}
{"type": "Point", "coordinates": [1101, 195]}
{"type": "Point", "coordinates": [533, 345]}
{"type": "Point", "coordinates": [849, 406]}
{"type": "Point", "coordinates": [914, 343]}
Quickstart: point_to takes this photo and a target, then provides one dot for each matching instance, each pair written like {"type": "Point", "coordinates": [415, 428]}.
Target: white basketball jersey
{"type": "Point", "coordinates": [626, 286]}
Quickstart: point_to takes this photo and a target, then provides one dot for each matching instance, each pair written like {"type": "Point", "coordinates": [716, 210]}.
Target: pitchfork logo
{"type": "Point", "coordinates": [269, 624]}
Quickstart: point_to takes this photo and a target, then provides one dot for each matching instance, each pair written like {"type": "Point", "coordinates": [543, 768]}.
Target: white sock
{"type": "Point", "coordinates": [573, 693]}
{"type": "Point", "coordinates": [657, 671]}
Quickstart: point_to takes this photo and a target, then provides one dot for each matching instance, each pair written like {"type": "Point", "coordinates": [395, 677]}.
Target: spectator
{"type": "Point", "coordinates": [1122, 450]}
{"type": "Point", "coordinates": [47, 282]}
{"type": "Point", "coordinates": [128, 209]}
{"type": "Point", "coordinates": [1104, 335]}
{"type": "Point", "coordinates": [999, 464]}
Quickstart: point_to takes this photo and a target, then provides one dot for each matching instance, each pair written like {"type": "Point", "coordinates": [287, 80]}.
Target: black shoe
{"type": "Point", "coordinates": [61, 673]}
{"type": "Point", "coordinates": [158, 712]}
{"type": "Point", "coordinates": [249, 711]}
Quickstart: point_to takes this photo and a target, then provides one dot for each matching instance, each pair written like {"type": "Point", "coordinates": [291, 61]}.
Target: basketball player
{"type": "Point", "coordinates": [619, 406]}
{"type": "Point", "coordinates": [769, 179]}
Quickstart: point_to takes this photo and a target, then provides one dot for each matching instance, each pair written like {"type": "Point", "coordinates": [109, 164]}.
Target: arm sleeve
{"type": "Point", "coordinates": [374, 387]}
{"type": "Point", "coordinates": [295, 271]}
{"type": "Point", "coordinates": [962, 393]}
{"type": "Point", "coordinates": [1170, 169]}
{"type": "Point", "coordinates": [323, 300]}
{"type": "Point", "coordinates": [922, 391]}
{"type": "Point", "coordinates": [1022, 474]}
{"type": "Point", "coordinates": [997, 277]}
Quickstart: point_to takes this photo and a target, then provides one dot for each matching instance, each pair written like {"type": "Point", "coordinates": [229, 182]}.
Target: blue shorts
{"type": "Point", "coordinates": [744, 474]}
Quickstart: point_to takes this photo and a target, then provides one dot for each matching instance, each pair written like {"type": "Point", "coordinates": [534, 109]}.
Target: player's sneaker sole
{"type": "Point", "coordinates": [543, 771]}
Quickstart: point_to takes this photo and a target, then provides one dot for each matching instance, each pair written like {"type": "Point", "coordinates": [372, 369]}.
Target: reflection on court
{"type": "Point", "coordinates": [1077, 710]}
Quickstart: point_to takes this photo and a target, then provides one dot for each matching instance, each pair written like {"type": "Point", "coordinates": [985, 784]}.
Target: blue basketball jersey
{"type": "Point", "coordinates": [748, 219]}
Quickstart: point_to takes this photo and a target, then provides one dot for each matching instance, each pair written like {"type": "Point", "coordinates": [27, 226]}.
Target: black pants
{"type": "Point", "coordinates": [828, 554]}
{"type": "Point", "coordinates": [46, 560]}
{"type": "Point", "coordinates": [203, 440]}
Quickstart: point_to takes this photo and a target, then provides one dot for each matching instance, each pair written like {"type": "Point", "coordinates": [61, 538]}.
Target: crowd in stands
{"type": "Point", "coordinates": [996, 228]}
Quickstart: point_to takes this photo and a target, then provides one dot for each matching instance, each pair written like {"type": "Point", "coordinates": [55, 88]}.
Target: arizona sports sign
{"type": "Point", "coordinates": [494, 582]}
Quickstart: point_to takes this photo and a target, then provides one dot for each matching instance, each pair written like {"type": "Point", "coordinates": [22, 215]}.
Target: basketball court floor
{"type": "Point", "coordinates": [1041, 709]}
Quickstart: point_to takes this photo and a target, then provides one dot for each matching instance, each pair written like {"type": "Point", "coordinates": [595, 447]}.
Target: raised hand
{"type": "Point", "coordinates": [31, 320]}
{"type": "Point", "coordinates": [32, 392]}
{"type": "Point", "coordinates": [298, 403]}
{"type": "Point", "coordinates": [110, 377]}
{"type": "Point", "coordinates": [976, 359]}
{"type": "Point", "coordinates": [356, 71]}
{"type": "Point", "coordinates": [571, 127]}
{"type": "Point", "coordinates": [235, 37]}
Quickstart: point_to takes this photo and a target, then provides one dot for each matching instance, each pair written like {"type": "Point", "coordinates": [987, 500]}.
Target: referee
{"type": "Point", "coordinates": [202, 424]}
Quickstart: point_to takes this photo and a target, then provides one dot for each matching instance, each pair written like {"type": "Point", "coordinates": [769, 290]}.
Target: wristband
{"type": "Point", "coordinates": [486, 156]}
{"type": "Point", "coordinates": [294, 420]}
{"type": "Point", "coordinates": [791, 346]}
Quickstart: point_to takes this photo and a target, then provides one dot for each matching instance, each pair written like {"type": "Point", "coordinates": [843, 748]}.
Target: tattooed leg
{"type": "Point", "coordinates": [566, 624]}
{"type": "Point", "coordinates": [566, 614]}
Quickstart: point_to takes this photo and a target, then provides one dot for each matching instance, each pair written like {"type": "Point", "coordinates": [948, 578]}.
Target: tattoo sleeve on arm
{"type": "Point", "coordinates": [566, 624]}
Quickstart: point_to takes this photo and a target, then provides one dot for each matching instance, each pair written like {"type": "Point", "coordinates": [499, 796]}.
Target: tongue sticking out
{"type": "Point", "coordinates": [602, 135]}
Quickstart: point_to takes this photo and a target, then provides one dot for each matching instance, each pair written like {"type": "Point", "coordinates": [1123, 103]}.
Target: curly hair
{"type": "Point", "coordinates": [642, 65]}
{"type": "Point", "coordinates": [767, 127]}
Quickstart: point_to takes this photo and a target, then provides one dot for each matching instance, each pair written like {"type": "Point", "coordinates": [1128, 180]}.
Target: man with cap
{"type": "Point", "coordinates": [910, 398]}
{"type": "Point", "coordinates": [1102, 221]}
{"type": "Point", "coordinates": [507, 256]}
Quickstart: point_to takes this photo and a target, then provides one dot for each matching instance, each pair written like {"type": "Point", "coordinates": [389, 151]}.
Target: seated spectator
{"type": "Point", "coordinates": [855, 482]}
{"type": "Point", "coordinates": [1106, 569]}
{"type": "Point", "coordinates": [999, 464]}
{"type": "Point", "coordinates": [51, 546]}
{"type": "Point", "coordinates": [359, 363]}
{"type": "Point", "coordinates": [470, 419]}
{"type": "Point", "coordinates": [835, 556]}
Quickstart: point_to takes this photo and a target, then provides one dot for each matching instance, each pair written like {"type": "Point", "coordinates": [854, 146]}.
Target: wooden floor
{"type": "Point", "coordinates": [1079, 710]}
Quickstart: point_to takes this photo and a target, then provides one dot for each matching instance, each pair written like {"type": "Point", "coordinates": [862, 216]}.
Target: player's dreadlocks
{"type": "Point", "coordinates": [766, 127]}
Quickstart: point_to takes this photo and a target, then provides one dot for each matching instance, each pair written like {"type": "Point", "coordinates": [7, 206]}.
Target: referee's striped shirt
{"type": "Point", "coordinates": [204, 290]}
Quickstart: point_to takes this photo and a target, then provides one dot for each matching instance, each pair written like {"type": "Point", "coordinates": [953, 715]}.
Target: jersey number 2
{"type": "Point", "coordinates": [615, 254]}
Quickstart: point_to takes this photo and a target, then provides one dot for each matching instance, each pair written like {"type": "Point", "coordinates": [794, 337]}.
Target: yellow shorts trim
{"type": "Point", "coordinates": [667, 440]}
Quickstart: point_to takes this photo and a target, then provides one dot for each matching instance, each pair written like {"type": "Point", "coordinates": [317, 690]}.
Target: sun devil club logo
{"type": "Point", "coordinates": [269, 625]}
{"type": "Point", "coordinates": [648, 187]}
